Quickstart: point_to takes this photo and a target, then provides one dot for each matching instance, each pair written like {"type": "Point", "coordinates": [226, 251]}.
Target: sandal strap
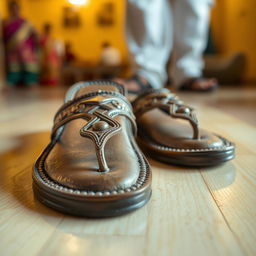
{"type": "Point", "coordinates": [142, 85]}
{"type": "Point", "coordinates": [99, 112]}
{"type": "Point", "coordinates": [168, 102]}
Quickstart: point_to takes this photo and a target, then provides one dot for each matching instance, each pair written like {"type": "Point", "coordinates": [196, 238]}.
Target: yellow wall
{"type": "Point", "coordinates": [234, 27]}
{"type": "Point", "coordinates": [3, 8]}
{"type": "Point", "coordinates": [86, 39]}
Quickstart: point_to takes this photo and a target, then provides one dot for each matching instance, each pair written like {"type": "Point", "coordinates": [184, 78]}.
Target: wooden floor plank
{"type": "Point", "coordinates": [233, 185]}
{"type": "Point", "coordinates": [25, 225]}
{"type": "Point", "coordinates": [184, 219]}
{"type": "Point", "coordinates": [233, 188]}
{"type": "Point", "coordinates": [133, 224]}
{"type": "Point", "coordinates": [67, 244]}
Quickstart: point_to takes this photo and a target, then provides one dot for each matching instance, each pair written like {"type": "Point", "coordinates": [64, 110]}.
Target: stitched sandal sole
{"type": "Point", "coordinates": [97, 207]}
{"type": "Point", "coordinates": [84, 202]}
{"type": "Point", "coordinates": [188, 157]}
{"type": "Point", "coordinates": [94, 204]}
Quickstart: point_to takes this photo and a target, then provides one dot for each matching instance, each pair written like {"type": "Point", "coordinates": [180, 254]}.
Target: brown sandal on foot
{"type": "Point", "coordinates": [92, 166]}
{"type": "Point", "coordinates": [164, 135]}
{"type": "Point", "coordinates": [142, 85]}
{"type": "Point", "coordinates": [188, 85]}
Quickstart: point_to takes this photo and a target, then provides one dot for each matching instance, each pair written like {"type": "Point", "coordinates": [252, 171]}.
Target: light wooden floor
{"type": "Point", "coordinates": [192, 211]}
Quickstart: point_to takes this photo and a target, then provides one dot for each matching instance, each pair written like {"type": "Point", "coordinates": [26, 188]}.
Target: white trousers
{"type": "Point", "coordinates": [156, 29]}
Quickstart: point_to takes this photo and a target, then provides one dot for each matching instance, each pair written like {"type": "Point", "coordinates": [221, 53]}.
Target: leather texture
{"type": "Point", "coordinates": [169, 130]}
{"type": "Point", "coordinates": [93, 166]}
{"type": "Point", "coordinates": [72, 161]}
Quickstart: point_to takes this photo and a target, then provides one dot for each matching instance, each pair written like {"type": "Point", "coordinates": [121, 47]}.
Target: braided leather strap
{"type": "Point", "coordinates": [98, 111]}
{"type": "Point", "coordinates": [169, 103]}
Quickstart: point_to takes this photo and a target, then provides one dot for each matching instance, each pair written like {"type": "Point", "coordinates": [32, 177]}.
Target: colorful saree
{"type": "Point", "coordinates": [21, 52]}
{"type": "Point", "coordinates": [50, 61]}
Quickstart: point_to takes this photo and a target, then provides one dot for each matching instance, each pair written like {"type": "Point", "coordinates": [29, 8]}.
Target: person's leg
{"type": "Point", "coordinates": [191, 21]}
{"type": "Point", "coordinates": [149, 37]}
{"type": "Point", "coordinates": [31, 72]}
{"type": "Point", "coordinates": [30, 78]}
{"type": "Point", "coordinates": [14, 69]}
{"type": "Point", "coordinates": [13, 78]}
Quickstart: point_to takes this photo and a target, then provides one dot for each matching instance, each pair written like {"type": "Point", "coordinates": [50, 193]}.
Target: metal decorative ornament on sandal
{"type": "Point", "coordinates": [100, 126]}
{"type": "Point", "coordinates": [169, 103]}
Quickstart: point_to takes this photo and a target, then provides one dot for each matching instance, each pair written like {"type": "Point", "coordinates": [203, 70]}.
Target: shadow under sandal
{"type": "Point", "coordinates": [92, 166]}
{"type": "Point", "coordinates": [168, 131]}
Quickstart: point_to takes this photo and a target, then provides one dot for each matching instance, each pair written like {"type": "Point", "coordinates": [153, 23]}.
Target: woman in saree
{"type": "Point", "coordinates": [21, 47]}
{"type": "Point", "coordinates": [51, 52]}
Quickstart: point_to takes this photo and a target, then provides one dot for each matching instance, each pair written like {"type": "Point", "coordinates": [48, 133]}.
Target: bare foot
{"type": "Point", "coordinates": [204, 83]}
{"type": "Point", "coordinates": [130, 85]}
{"type": "Point", "coordinates": [199, 84]}
{"type": "Point", "coordinates": [135, 84]}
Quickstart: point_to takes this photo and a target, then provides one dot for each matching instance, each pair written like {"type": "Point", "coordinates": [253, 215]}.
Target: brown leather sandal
{"type": "Point", "coordinates": [92, 166]}
{"type": "Point", "coordinates": [170, 139]}
{"type": "Point", "coordinates": [188, 85]}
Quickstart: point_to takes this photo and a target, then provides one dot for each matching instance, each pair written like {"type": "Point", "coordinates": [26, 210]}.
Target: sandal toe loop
{"type": "Point", "coordinates": [99, 112]}
{"type": "Point", "coordinates": [170, 104]}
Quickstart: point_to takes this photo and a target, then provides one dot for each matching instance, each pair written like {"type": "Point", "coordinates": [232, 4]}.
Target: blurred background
{"type": "Point", "coordinates": [85, 39]}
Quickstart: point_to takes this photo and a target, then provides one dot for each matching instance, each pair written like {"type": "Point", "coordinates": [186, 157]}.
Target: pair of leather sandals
{"type": "Point", "coordinates": [93, 166]}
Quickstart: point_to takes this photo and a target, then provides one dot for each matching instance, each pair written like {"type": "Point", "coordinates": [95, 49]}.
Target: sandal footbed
{"type": "Point", "coordinates": [66, 178]}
